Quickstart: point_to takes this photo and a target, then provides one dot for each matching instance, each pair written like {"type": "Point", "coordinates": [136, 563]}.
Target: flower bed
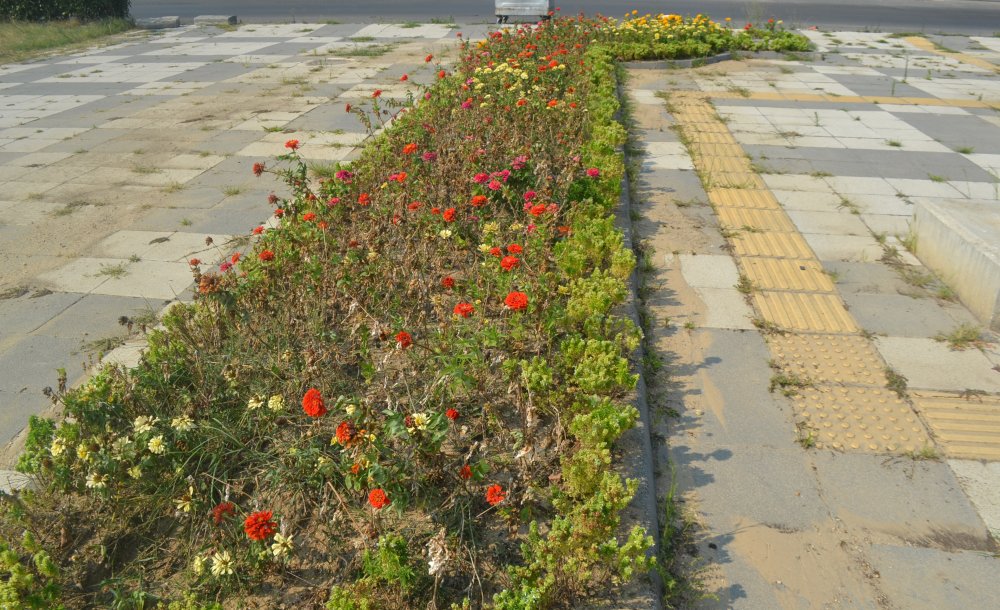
{"type": "Point", "coordinates": [406, 394]}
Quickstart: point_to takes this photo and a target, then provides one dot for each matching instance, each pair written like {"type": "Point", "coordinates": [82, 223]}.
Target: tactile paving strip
{"type": "Point", "coordinates": [865, 419]}
{"type": "Point", "coordinates": [743, 198]}
{"type": "Point", "coordinates": [828, 359]}
{"type": "Point", "coordinates": [926, 45]}
{"type": "Point", "coordinates": [771, 243]}
{"type": "Point", "coordinates": [966, 426]}
{"type": "Point", "coordinates": [786, 274]}
{"type": "Point", "coordinates": [755, 219]}
{"type": "Point", "coordinates": [804, 311]}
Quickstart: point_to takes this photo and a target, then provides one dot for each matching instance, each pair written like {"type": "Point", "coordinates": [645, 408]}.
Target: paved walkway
{"type": "Point", "coordinates": [793, 179]}
{"type": "Point", "coordinates": [777, 200]}
{"type": "Point", "coordinates": [117, 163]}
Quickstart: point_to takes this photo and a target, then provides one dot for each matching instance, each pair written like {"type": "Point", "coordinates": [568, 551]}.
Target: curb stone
{"type": "Point", "coordinates": [676, 64]}
{"type": "Point", "coordinates": [158, 23]}
{"type": "Point", "coordinates": [215, 20]}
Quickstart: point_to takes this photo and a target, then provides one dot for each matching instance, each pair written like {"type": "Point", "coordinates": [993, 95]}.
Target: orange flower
{"type": "Point", "coordinates": [266, 255]}
{"type": "Point", "coordinates": [521, 102]}
{"type": "Point", "coordinates": [312, 403]}
{"type": "Point", "coordinates": [378, 499]}
{"type": "Point", "coordinates": [292, 144]}
{"type": "Point", "coordinates": [465, 472]}
{"type": "Point", "coordinates": [364, 199]}
{"type": "Point", "coordinates": [449, 215]}
{"type": "Point", "coordinates": [509, 263]}
{"type": "Point", "coordinates": [404, 78]}
{"type": "Point", "coordinates": [464, 309]}
{"type": "Point", "coordinates": [478, 200]}
{"type": "Point", "coordinates": [553, 103]}
{"type": "Point", "coordinates": [516, 300]}
{"type": "Point", "coordinates": [409, 148]}
{"type": "Point", "coordinates": [259, 525]}
{"type": "Point", "coordinates": [345, 433]}
{"type": "Point", "coordinates": [495, 494]}
{"type": "Point", "coordinates": [403, 339]}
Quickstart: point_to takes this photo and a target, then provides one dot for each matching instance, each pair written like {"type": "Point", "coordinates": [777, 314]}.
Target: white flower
{"type": "Point", "coordinates": [222, 564]}
{"type": "Point", "coordinates": [182, 423]}
{"type": "Point", "coordinates": [198, 565]}
{"type": "Point", "coordinates": [255, 403]}
{"type": "Point", "coordinates": [282, 546]}
{"type": "Point", "coordinates": [183, 504]}
{"type": "Point", "coordinates": [156, 445]}
{"type": "Point", "coordinates": [135, 472]}
{"type": "Point", "coordinates": [144, 424]}
{"type": "Point", "coordinates": [96, 480]}
{"type": "Point", "coordinates": [350, 409]}
{"type": "Point", "coordinates": [82, 452]}
{"type": "Point", "coordinates": [276, 403]}
{"type": "Point", "coordinates": [120, 443]}
{"type": "Point", "coordinates": [445, 233]}
{"type": "Point", "coordinates": [484, 248]}
{"type": "Point", "coordinates": [58, 447]}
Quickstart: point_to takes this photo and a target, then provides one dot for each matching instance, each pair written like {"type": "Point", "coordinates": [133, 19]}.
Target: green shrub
{"type": "Point", "coordinates": [48, 10]}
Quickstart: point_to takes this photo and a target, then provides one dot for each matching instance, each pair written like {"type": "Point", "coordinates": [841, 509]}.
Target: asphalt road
{"type": "Point", "coordinates": [980, 17]}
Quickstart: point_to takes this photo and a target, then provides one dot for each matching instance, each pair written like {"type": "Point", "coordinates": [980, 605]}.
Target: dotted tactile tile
{"type": "Point", "coordinates": [743, 198]}
{"type": "Point", "coordinates": [771, 243]}
{"type": "Point", "coordinates": [805, 311]}
{"type": "Point", "coordinates": [965, 427]}
{"type": "Point", "coordinates": [755, 219]}
{"type": "Point", "coordinates": [828, 359]}
{"type": "Point", "coordinates": [868, 419]}
{"type": "Point", "coordinates": [786, 274]}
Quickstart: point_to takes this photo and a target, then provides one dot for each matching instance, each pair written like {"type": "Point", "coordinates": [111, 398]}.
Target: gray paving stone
{"type": "Point", "coordinates": [877, 85]}
{"type": "Point", "coordinates": [25, 369]}
{"type": "Point", "coordinates": [930, 364]}
{"type": "Point", "coordinates": [918, 503]}
{"type": "Point", "coordinates": [903, 316]}
{"type": "Point", "coordinates": [930, 578]}
{"type": "Point", "coordinates": [95, 316]}
{"type": "Point", "coordinates": [828, 223]}
{"type": "Point", "coordinates": [958, 131]}
{"type": "Point", "coordinates": [28, 312]}
{"type": "Point", "coordinates": [211, 73]}
{"type": "Point", "coordinates": [865, 278]}
{"type": "Point", "coordinates": [981, 481]}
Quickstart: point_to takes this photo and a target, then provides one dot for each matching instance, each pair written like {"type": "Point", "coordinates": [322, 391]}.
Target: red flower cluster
{"type": "Point", "coordinates": [259, 525]}
{"type": "Point", "coordinates": [464, 309]}
{"type": "Point", "coordinates": [345, 433]}
{"type": "Point", "coordinates": [516, 300]}
{"type": "Point", "coordinates": [509, 263]}
{"type": "Point", "coordinates": [221, 511]}
{"type": "Point", "coordinates": [312, 403]}
{"type": "Point", "coordinates": [378, 499]}
{"type": "Point", "coordinates": [495, 494]}
{"type": "Point", "coordinates": [537, 210]}
{"type": "Point", "coordinates": [593, 172]}
{"type": "Point", "coordinates": [266, 255]}
{"type": "Point", "coordinates": [403, 339]}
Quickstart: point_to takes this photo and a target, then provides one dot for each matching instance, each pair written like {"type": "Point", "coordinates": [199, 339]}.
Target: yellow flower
{"type": "Point", "coordinates": [135, 472]}
{"type": "Point", "coordinates": [222, 564]}
{"type": "Point", "coordinates": [182, 423]}
{"type": "Point", "coordinates": [97, 481]}
{"type": "Point", "coordinates": [445, 233]}
{"type": "Point", "coordinates": [283, 545]}
{"type": "Point", "coordinates": [58, 447]}
{"type": "Point", "coordinates": [198, 565]}
{"type": "Point", "coordinates": [144, 424]}
{"type": "Point", "coordinates": [156, 445]}
{"type": "Point", "coordinates": [255, 402]}
{"type": "Point", "coordinates": [276, 403]}
{"type": "Point", "coordinates": [183, 504]}
{"type": "Point", "coordinates": [82, 452]}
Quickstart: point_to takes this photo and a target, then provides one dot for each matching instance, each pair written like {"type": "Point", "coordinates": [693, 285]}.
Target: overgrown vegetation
{"type": "Point", "coordinates": [20, 39]}
{"type": "Point", "coordinates": [406, 395]}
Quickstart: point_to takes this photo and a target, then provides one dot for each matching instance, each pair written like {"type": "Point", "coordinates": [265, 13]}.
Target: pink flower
{"type": "Point", "coordinates": [593, 172]}
{"type": "Point", "coordinates": [494, 185]}
{"type": "Point", "coordinates": [530, 195]}
{"type": "Point", "coordinates": [480, 178]}
{"type": "Point", "coordinates": [429, 156]}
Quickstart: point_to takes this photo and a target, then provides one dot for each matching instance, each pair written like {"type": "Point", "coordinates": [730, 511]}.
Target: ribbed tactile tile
{"type": "Point", "coordinates": [726, 164]}
{"type": "Point", "coordinates": [771, 243]}
{"type": "Point", "coordinates": [702, 150]}
{"type": "Point", "coordinates": [828, 359]}
{"type": "Point", "coordinates": [868, 419]}
{"type": "Point", "coordinates": [966, 426]}
{"type": "Point", "coordinates": [824, 313]}
{"type": "Point", "coordinates": [743, 198]}
{"type": "Point", "coordinates": [786, 274]}
{"type": "Point", "coordinates": [755, 219]}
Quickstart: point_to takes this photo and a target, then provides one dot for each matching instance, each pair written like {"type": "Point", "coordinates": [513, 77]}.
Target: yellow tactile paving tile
{"type": "Point", "coordinates": [805, 311]}
{"type": "Point", "coordinates": [734, 180]}
{"type": "Point", "coordinates": [752, 219]}
{"type": "Point", "coordinates": [926, 45]}
{"type": "Point", "coordinates": [869, 419]}
{"type": "Point", "coordinates": [828, 359]}
{"type": "Point", "coordinates": [786, 274]}
{"type": "Point", "coordinates": [703, 150]}
{"type": "Point", "coordinates": [772, 244]}
{"type": "Point", "coordinates": [710, 138]}
{"type": "Point", "coordinates": [860, 99]}
{"type": "Point", "coordinates": [743, 198]}
{"type": "Point", "coordinates": [716, 127]}
{"type": "Point", "coordinates": [725, 164]}
{"type": "Point", "coordinates": [965, 427]}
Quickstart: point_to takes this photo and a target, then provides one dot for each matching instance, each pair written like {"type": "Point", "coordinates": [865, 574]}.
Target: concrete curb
{"type": "Point", "coordinates": [677, 64]}
{"type": "Point", "coordinates": [158, 23]}
{"type": "Point", "coordinates": [215, 20]}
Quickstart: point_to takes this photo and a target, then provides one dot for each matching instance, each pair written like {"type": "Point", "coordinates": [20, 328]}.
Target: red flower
{"type": "Point", "coordinates": [414, 206]}
{"type": "Point", "coordinates": [221, 511]}
{"type": "Point", "coordinates": [404, 78]}
{"type": "Point", "coordinates": [442, 74]}
{"type": "Point", "coordinates": [409, 148]}
{"type": "Point", "coordinates": [509, 262]}
{"type": "Point", "coordinates": [378, 499]}
{"type": "Point", "coordinates": [266, 255]}
{"type": "Point", "coordinates": [495, 251]}
{"type": "Point", "coordinates": [449, 215]}
{"type": "Point", "coordinates": [403, 339]}
{"type": "Point", "coordinates": [322, 225]}
{"type": "Point", "coordinates": [515, 249]}
{"type": "Point", "coordinates": [447, 281]}
{"type": "Point", "coordinates": [258, 169]}
{"type": "Point", "coordinates": [292, 144]}
{"type": "Point", "coordinates": [345, 433]}
{"type": "Point", "coordinates": [312, 403]}
{"type": "Point", "coordinates": [364, 199]}
{"type": "Point", "coordinates": [309, 216]}
{"type": "Point", "coordinates": [481, 178]}
{"type": "Point", "coordinates": [553, 103]}
{"type": "Point", "coordinates": [495, 494]}
{"type": "Point", "coordinates": [464, 309]}
{"type": "Point", "coordinates": [465, 472]}
{"type": "Point", "coordinates": [451, 414]}
{"type": "Point", "coordinates": [376, 93]}
{"type": "Point", "coordinates": [521, 102]}
{"type": "Point", "coordinates": [194, 262]}
{"type": "Point", "coordinates": [259, 525]}
{"type": "Point", "coordinates": [478, 200]}
{"type": "Point", "coordinates": [258, 230]}
{"type": "Point", "coordinates": [347, 107]}
{"type": "Point", "coordinates": [272, 199]}
{"type": "Point", "coordinates": [355, 468]}
{"type": "Point", "coordinates": [428, 59]}
{"type": "Point", "coordinates": [593, 172]}
{"type": "Point", "coordinates": [279, 212]}
{"type": "Point", "coordinates": [516, 300]}
{"type": "Point", "coordinates": [538, 209]}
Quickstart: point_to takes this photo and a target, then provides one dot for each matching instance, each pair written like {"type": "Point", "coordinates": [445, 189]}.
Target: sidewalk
{"type": "Point", "coordinates": [777, 196]}
{"type": "Point", "coordinates": [117, 163]}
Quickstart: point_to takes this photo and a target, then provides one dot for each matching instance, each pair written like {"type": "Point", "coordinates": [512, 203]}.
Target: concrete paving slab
{"type": "Point", "coordinates": [835, 223]}
{"type": "Point", "coordinates": [149, 280]}
{"type": "Point", "coordinates": [981, 482]}
{"type": "Point", "coordinates": [707, 270]}
{"type": "Point", "coordinates": [930, 578]}
{"type": "Point", "coordinates": [95, 316]}
{"type": "Point", "coordinates": [897, 315]}
{"type": "Point", "coordinates": [80, 275]}
{"type": "Point", "coordinates": [727, 308]}
{"type": "Point", "coordinates": [26, 313]}
{"type": "Point", "coordinates": [930, 364]}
